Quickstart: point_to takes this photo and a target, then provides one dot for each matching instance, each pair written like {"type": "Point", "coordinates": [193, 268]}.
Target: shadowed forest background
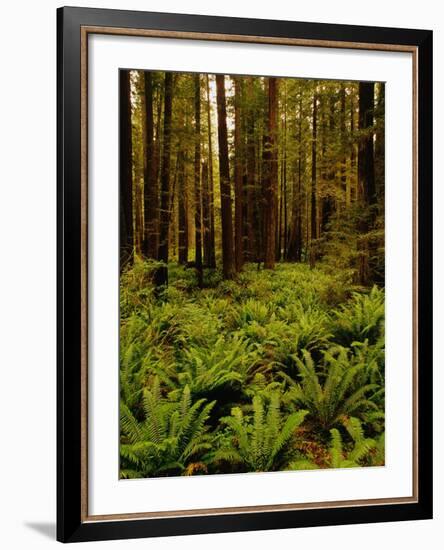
{"type": "Point", "coordinates": [252, 274]}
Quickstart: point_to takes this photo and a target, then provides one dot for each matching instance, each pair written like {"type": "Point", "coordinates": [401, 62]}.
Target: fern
{"type": "Point", "coordinates": [253, 310]}
{"type": "Point", "coordinates": [310, 325]}
{"type": "Point", "coordinates": [289, 355]}
{"type": "Point", "coordinates": [206, 369]}
{"type": "Point", "coordinates": [333, 391]}
{"type": "Point", "coordinates": [362, 318]}
{"type": "Point", "coordinates": [361, 452]}
{"type": "Point", "coordinates": [259, 442]}
{"type": "Point", "coordinates": [172, 436]}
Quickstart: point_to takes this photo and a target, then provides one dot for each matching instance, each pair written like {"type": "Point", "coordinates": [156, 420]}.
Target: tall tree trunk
{"type": "Point", "coordinates": [259, 197]}
{"type": "Point", "coordinates": [197, 189]}
{"type": "Point", "coordinates": [271, 176]}
{"type": "Point", "coordinates": [251, 166]}
{"type": "Point", "coordinates": [314, 205]}
{"type": "Point", "coordinates": [343, 147]}
{"type": "Point", "coordinates": [182, 212]}
{"type": "Point", "coordinates": [286, 229]}
{"type": "Point", "coordinates": [173, 186]}
{"type": "Point", "coordinates": [125, 171]}
{"type": "Point", "coordinates": [151, 191]}
{"type": "Point", "coordinates": [207, 249]}
{"type": "Point", "coordinates": [212, 235]}
{"type": "Point", "coordinates": [278, 241]}
{"type": "Point", "coordinates": [138, 146]}
{"type": "Point", "coordinates": [366, 174]}
{"type": "Point", "coordinates": [138, 208]}
{"type": "Point", "coordinates": [298, 254]}
{"type": "Point", "coordinates": [366, 165]}
{"type": "Point", "coordinates": [228, 265]}
{"type": "Point", "coordinates": [283, 229]}
{"type": "Point", "coordinates": [157, 158]}
{"type": "Point", "coordinates": [161, 275]}
{"type": "Point", "coordinates": [238, 191]}
{"type": "Point", "coordinates": [380, 144]}
{"type": "Point", "coordinates": [299, 192]}
{"type": "Point", "coordinates": [295, 237]}
{"type": "Point", "coordinates": [284, 179]}
{"type": "Point", "coordinates": [328, 201]}
{"type": "Point", "coordinates": [353, 180]}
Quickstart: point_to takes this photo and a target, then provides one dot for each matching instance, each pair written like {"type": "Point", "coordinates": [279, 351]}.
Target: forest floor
{"type": "Point", "coordinates": [276, 370]}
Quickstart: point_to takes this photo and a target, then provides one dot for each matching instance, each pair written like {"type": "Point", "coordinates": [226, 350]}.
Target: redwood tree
{"type": "Point", "coordinates": [251, 172]}
{"type": "Point", "coordinates": [328, 200]}
{"type": "Point", "coordinates": [270, 178]}
{"type": "Point", "coordinates": [238, 191]}
{"type": "Point", "coordinates": [151, 191]}
{"type": "Point", "coordinates": [314, 205]}
{"type": "Point", "coordinates": [366, 165]}
{"type": "Point", "coordinates": [161, 275]}
{"type": "Point", "coordinates": [228, 266]}
{"type": "Point", "coordinates": [211, 237]}
{"type": "Point", "coordinates": [125, 171]}
{"type": "Point", "coordinates": [206, 218]}
{"type": "Point", "coordinates": [182, 211]}
{"type": "Point", "coordinates": [197, 187]}
{"type": "Point", "coordinates": [294, 251]}
{"type": "Point", "coordinates": [366, 174]}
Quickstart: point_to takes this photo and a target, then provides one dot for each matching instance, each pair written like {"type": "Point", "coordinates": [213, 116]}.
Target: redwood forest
{"type": "Point", "coordinates": [251, 274]}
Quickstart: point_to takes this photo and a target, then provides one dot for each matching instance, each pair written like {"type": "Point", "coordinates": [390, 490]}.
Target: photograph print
{"type": "Point", "coordinates": [251, 274]}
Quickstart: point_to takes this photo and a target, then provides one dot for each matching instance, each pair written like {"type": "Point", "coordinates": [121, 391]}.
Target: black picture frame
{"type": "Point", "coordinates": [71, 525]}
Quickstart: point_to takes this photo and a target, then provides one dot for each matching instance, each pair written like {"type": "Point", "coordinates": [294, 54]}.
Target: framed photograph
{"type": "Point", "coordinates": [244, 274]}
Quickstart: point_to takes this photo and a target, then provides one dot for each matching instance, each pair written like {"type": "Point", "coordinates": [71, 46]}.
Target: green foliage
{"type": "Point", "coordinates": [334, 391]}
{"type": "Point", "coordinates": [136, 289]}
{"type": "Point", "coordinates": [169, 440]}
{"type": "Point", "coordinates": [312, 325]}
{"type": "Point", "coordinates": [362, 318]}
{"type": "Point", "coordinates": [259, 442]}
{"type": "Point", "coordinates": [274, 368]}
{"type": "Point", "coordinates": [253, 311]}
{"type": "Point", "coordinates": [205, 369]}
{"type": "Point", "coordinates": [359, 451]}
{"type": "Point", "coordinates": [292, 354]}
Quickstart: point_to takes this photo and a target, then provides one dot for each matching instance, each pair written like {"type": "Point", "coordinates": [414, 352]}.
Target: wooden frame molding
{"type": "Point", "coordinates": [75, 25]}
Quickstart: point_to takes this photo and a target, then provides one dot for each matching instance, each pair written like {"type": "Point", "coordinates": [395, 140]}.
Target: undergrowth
{"type": "Point", "coordinates": [275, 370]}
